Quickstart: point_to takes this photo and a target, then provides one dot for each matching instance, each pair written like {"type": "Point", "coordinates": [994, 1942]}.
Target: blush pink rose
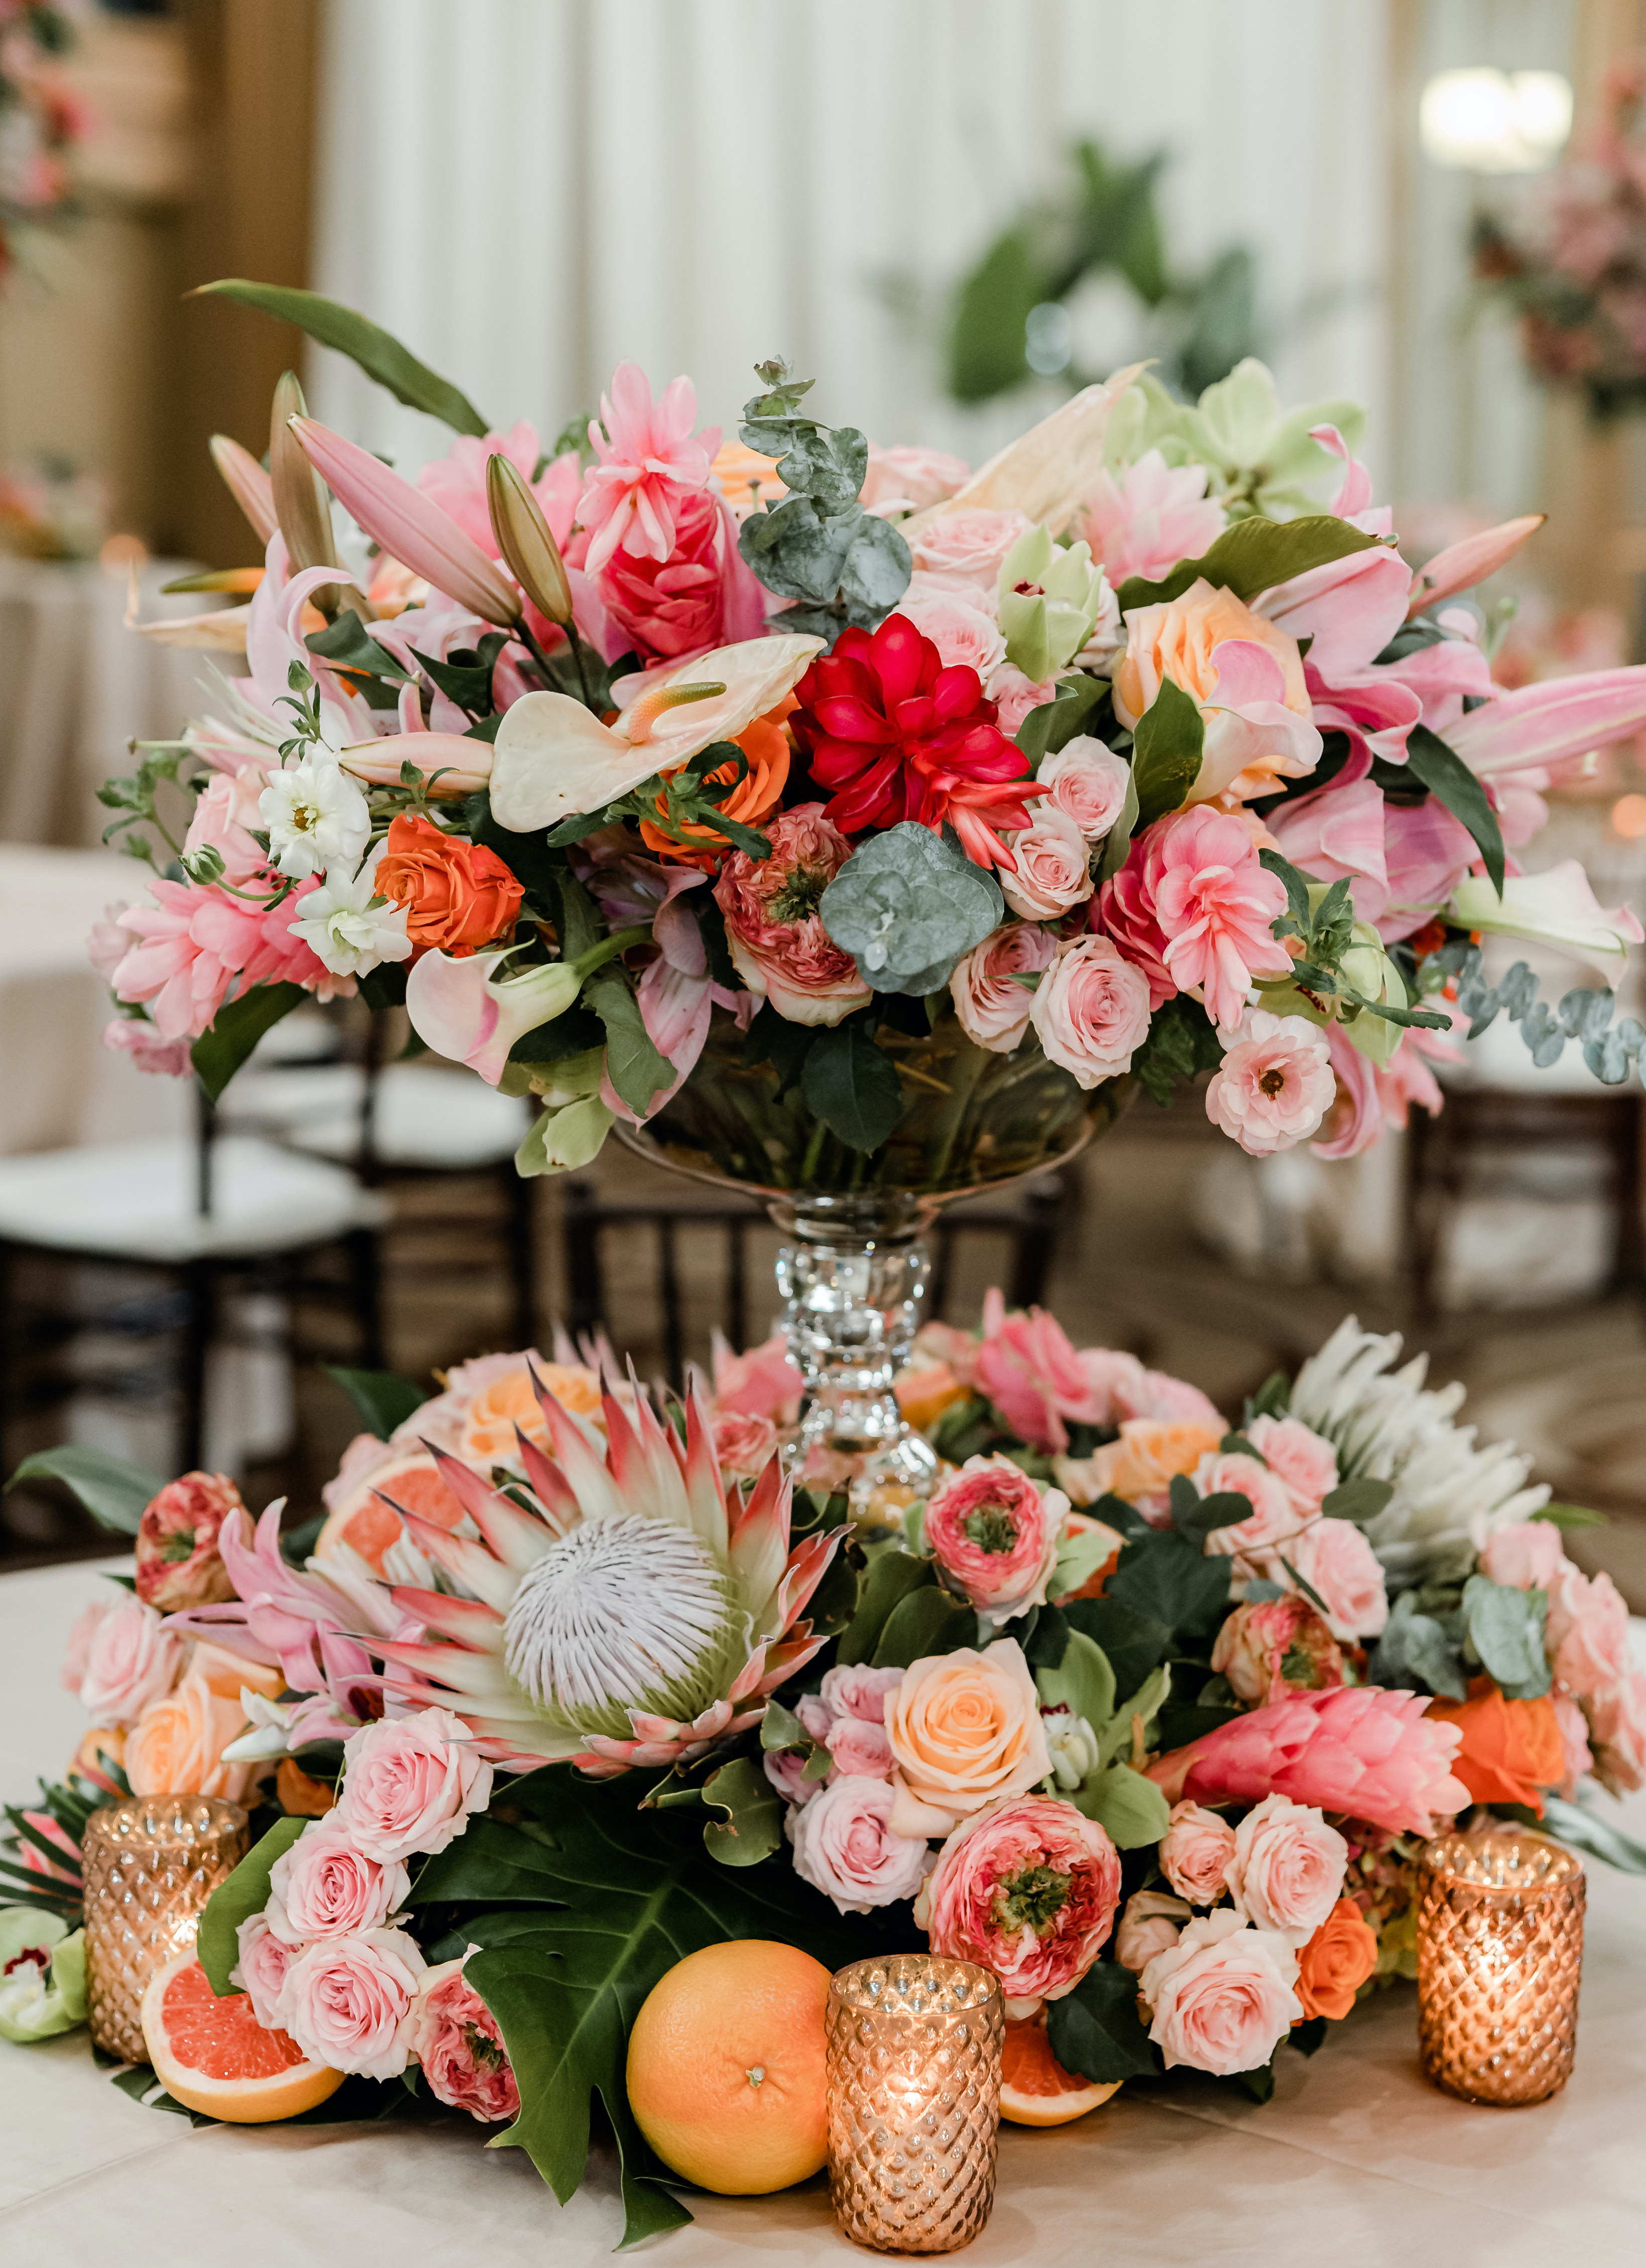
{"type": "Point", "coordinates": [1335, 1558]}
{"type": "Point", "coordinates": [858, 1747]}
{"type": "Point", "coordinates": [965, 548]}
{"type": "Point", "coordinates": [1151, 1922]}
{"type": "Point", "coordinates": [345, 1999]}
{"type": "Point", "coordinates": [995, 1533]}
{"type": "Point", "coordinates": [1617, 1718]}
{"type": "Point", "coordinates": [77, 1647]}
{"type": "Point", "coordinates": [1053, 871]}
{"type": "Point", "coordinates": [1288, 1868]}
{"type": "Point", "coordinates": [449, 2031]}
{"type": "Point", "coordinates": [1527, 1555]}
{"type": "Point", "coordinates": [776, 939]}
{"type": "Point", "coordinates": [1304, 1463]}
{"type": "Point", "coordinates": [131, 1661]}
{"type": "Point", "coordinates": [785, 1769]}
{"type": "Point", "coordinates": [743, 1443]}
{"type": "Point", "coordinates": [853, 1690]}
{"type": "Point", "coordinates": [1214, 904]}
{"type": "Point", "coordinates": [1088, 783]}
{"type": "Point", "coordinates": [846, 1847]}
{"type": "Point", "coordinates": [1273, 1519]}
{"type": "Point", "coordinates": [1026, 1365]}
{"type": "Point", "coordinates": [1014, 695]}
{"type": "Point", "coordinates": [1223, 1998]}
{"type": "Point", "coordinates": [1274, 1085]}
{"type": "Point", "coordinates": [1029, 1889]}
{"type": "Point", "coordinates": [965, 635]}
{"type": "Point", "coordinates": [260, 1969]}
{"type": "Point", "coordinates": [178, 1564]}
{"type": "Point", "coordinates": [1588, 1632]}
{"type": "Point", "coordinates": [991, 1004]}
{"type": "Point", "coordinates": [1195, 1853]}
{"type": "Point", "coordinates": [1574, 1740]}
{"type": "Point", "coordinates": [410, 1783]}
{"type": "Point", "coordinates": [323, 1887]}
{"type": "Point", "coordinates": [1091, 1011]}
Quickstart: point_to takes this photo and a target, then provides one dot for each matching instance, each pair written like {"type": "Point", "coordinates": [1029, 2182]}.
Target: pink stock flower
{"type": "Point", "coordinates": [136, 1037]}
{"type": "Point", "coordinates": [650, 464]}
{"type": "Point", "coordinates": [1274, 1084]}
{"type": "Point", "coordinates": [965, 549]}
{"type": "Point", "coordinates": [1223, 1997]}
{"type": "Point", "coordinates": [1154, 515]}
{"type": "Point", "coordinates": [1028, 1890]}
{"type": "Point", "coordinates": [1054, 868]}
{"type": "Point", "coordinates": [1195, 1853]}
{"type": "Point", "coordinates": [1151, 1922]}
{"type": "Point", "coordinates": [1363, 1749]}
{"type": "Point", "coordinates": [744, 1444]}
{"type": "Point", "coordinates": [846, 1847]}
{"type": "Point", "coordinates": [1617, 1719]}
{"type": "Point", "coordinates": [1527, 1555]}
{"type": "Point", "coordinates": [1333, 1558]}
{"type": "Point", "coordinates": [324, 1886]}
{"type": "Point", "coordinates": [179, 1563]}
{"type": "Point", "coordinates": [1032, 1375]}
{"type": "Point", "coordinates": [346, 1999]}
{"type": "Point", "coordinates": [132, 1660]}
{"type": "Point", "coordinates": [779, 945]}
{"type": "Point", "coordinates": [261, 1970]}
{"type": "Point", "coordinates": [995, 1535]}
{"type": "Point", "coordinates": [963, 632]}
{"type": "Point", "coordinates": [1214, 904]}
{"type": "Point", "coordinates": [991, 1007]}
{"type": "Point", "coordinates": [1123, 911]}
{"type": "Point", "coordinates": [764, 1382]}
{"type": "Point", "coordinates": [1088, 781]}
{"type": "Point", "coordinates": [700, 596]}
{"type": "Point", "coordinates": [1287, 1873]}
{"type": "Point", "coordinates": [449, 2031]}
{"type": "Point", "coordinates": [1306, 1463]}
{"type": "Point", "coordinates": [410, 1784]}
{"type": "Point", "coordinates": [1588, 1631]}
{"type": "Point", "coordinates": [1270, 1648]}
{"type": "Point", "coordinates": [1090, 1011]}
{"type": "Point", "coordinates": [457, 482]}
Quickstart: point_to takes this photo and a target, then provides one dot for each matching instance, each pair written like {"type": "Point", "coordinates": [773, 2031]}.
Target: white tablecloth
{"type": "Point", "coordinates": [1356, 2159]}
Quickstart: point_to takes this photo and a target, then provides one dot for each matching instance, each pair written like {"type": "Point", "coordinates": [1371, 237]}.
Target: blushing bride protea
{"type": "Point", "coordinates": [637, 1613]}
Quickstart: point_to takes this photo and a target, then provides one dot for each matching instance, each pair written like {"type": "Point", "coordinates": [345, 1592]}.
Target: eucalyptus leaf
{"type": "Point", "coordinates": [907, 905]}
{"type": "Point", "coordinates": [1506, 1628]}
{"type": "Point", "coordinates": [1358, 1500]}
{"type": "Point", "coordinates": [1584, 1830]}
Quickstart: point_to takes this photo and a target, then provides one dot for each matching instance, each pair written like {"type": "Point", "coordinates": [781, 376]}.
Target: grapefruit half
{"type": "Point", "coordinates": [1035, 2088]}
{"type": "Point", "coordinates": [369, 1524]}
{"type": "Point", "coordinates": [215, 2056]}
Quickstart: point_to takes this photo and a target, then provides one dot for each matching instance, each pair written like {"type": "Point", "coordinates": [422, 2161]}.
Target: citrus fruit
{"type": "Point", "coordinates": [369, 1525]}
{"type": "Point", "coordinates": [726, 2067]}
{"type": "Point", "coordinates": [214, 2056]}
{"type": "Point", "coordinates": [1035, 2088]}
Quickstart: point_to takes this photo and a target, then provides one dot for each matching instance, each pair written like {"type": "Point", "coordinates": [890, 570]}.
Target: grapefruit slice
{"type": "Point", "coordinates": [1035, 2088]}
{"type": "Point", "coordinates": [369, 1524]}
{"type": "Point", "coordinates": [215, 2056]}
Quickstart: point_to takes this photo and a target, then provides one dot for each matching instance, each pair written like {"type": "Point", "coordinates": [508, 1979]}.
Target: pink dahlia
{"type": "Point", "coordinates": [1029, 1890]}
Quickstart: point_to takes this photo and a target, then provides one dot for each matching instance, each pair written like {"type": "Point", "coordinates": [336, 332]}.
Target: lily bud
{"type": "Point", "coordinates": [526, 540]}
{"type": "Point", "coordinates": [447, 763]}
{"type": "Point", "coordinates": [1050, 598]}
{"type": "Point", "coordinates": [247, 484]}
{"type": "Point", "coordinates": [300, 494]}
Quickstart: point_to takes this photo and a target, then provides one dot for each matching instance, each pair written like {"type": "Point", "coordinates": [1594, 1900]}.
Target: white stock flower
{"type": "Point", "coordinates": [350, 928]}
{"type": "Point", "coordinates": [316, 817]}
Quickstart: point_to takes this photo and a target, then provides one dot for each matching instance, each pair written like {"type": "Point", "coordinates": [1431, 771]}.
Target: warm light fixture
{"type": "Point", "coordinates": [1628, 816]}
{"type": "Point", "coordinates": [1491, 121]}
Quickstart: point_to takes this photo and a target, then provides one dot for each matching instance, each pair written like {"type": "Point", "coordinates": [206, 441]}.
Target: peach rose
{"type": "Point", "coordinates": [1224, 1997]}
{"type": "Point", "coordinates": [1028, 1889]}
{"type": "Point", "coordinates": [966, 1730]}
{"type": "Point", "coordinates": [1053, 871]}
{"type": "Point", "coordinates": [1337, 1961]}
{"type": "Point", "coordinates": [176, 1746]}
{"type": "Point", "coordinates": [1287, 1872]}
{"type": "Point", "coordinates": [508, 1399]}
{"type": "Point", "coordinates": [991, 1005]}
{"type": "Point", "coordinates": [1195, 1853]}
{"type": "Point", "coordinates": [1244, 674]}
{"type": "Point", "coordinates": [1091, 1011]}
{"type": "Point", "coordinates": [1088, 783]}
{"type": "Point", "coordinates": [1139, 1466]}
{"type": "Point", "coordinates": [1151, 1923]}
{"type": "Point", "coordinates": [457, 895]}
{"type": "Point", "coordinates": [131, 1661]}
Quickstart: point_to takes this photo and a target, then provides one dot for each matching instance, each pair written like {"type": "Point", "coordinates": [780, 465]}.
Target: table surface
{"type": "Point", "coordinates": [1355, 2158]}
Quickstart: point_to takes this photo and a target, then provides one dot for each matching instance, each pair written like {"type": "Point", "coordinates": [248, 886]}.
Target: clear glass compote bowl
{"type": "Point", "coordinates": [853, 1274]}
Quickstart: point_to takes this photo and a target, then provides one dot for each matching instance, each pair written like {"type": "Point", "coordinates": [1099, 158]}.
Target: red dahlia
{"type": "Point", "coordinates": [891, 735]}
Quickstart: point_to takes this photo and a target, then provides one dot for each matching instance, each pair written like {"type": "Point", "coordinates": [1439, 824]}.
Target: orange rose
{"type": "Point", "coordinates": [924, 1393]}
{"type": "Point", "coordinates": [767, 746]}
{"type": "Point", "coordinates": [457, 895]}
{"type": "Point", "coordinates": [1141, 1464]}
{"type": "Point", "coordinates": [488, 1435]}
{"type": "Point", "coordinates": [176, 1746]}
{"type": "Point", "coordinates": [301, 1795]}
{"type": "Point", "coordinates": [1511, 1750]}
{"type": "Point", "coordinates": [1336, 1962]}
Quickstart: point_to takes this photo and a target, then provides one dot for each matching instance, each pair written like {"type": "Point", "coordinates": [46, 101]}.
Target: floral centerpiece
{"type": "Point", "coordinates": [1146, 1712]}
{"type": "Point", "coordinates": [41, 121]}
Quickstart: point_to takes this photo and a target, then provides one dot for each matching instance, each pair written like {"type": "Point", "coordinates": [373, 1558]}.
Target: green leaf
{"type": "Point", "coordinates": [752, 1829]}
{"type": "Point", "coordinates": [467, 684]}
{"type": "Point", "coordinates": [235, 1030]}
{"type": "Point", "coordinates": [1357, 1500]}
{"type": "Point", "coordinates": [384, 1399]}
{"type": "Point", "coordinates": [1182, 1042]}
{"type": "Point", "coordinates": [1114, 1736]}
{"type": "Point", "coordinates": [1258, 2084]}
{"type": "Point", "coordinates": [1419, 1648]}
{"type": "Point", "coordinates": [927, 1622]}
{"type": "Point", "coordinates": [1082, 1682]}
{"type": "Point", "coordinates": [1055, 723]}
{"type": "Point", "coordinates": [1130, 1809]}
{"type": "Point", "coordinates": [1166, 751]}
{"type": "Point", "coordinates": [1117, 841]}
{"type": "Point", "coordinates": [116, 1494]}
{"type": "Point", "coordinates": [1133, 1643]}
{"type": "Point", "coordinates": [1586, 1831]}
{"type": "Point", "coordinates": [635, 1067]}
{"type": "Point", "coordinates": [906, 905]}
{"type": "Point", "coordinates": [349, 642]}
{"type": "Point", "coordinates": [245, 1893]}
{"type": "Point", "coordinates": [1271, 1399]}
{"type": "Point", "coordinates": [852, 1084]}
{"type": "Point", "coordinates": [1169, 1579]}
{"type": "Point", "coordinates": [1506, 1628]}
{"type": "Point", "coordinates": [1224, 1509]}
{"type": "Point", "coordinates": [379, 354]}
{"type": "Point", "coordinates": [1449, 779]}
{"type": "Point", "coordinates": [892, 1574]}
{"type": "Point", "coordinates": [1571, 1516]}
{"type": "Point", "coordinates": [1096, 2029]}
{"type": "Point", "coordinates": [1252, 555]}
{"type": "Point", "coordinates": [1308, 2037]}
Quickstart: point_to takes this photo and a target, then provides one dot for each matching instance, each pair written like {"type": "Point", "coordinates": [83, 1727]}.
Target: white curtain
{"type": "Point", "coordinates": [527, 191]}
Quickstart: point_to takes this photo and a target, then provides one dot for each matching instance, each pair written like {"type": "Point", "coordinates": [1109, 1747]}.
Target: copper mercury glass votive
{"type": "Point", "coordinates": [151, 1862]}
{"type": "Point", "coordinates": [914, 2101]}
{"type": "Point", "coordinates": [1499, 1947]}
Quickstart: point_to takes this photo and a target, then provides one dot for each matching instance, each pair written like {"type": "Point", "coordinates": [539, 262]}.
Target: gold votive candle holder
{"type": "Point", "coordinates": [1500, 1948]}
{"type": "Point", "coordinates": [151, 1862]}
{"type": "Point", "coordinates": [914, 2101]}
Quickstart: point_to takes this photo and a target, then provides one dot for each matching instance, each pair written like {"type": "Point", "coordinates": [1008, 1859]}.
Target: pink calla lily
{"type": "Point", "coordinates": [1552, 722]}
{"type": "Point", "coordinates": [465, 1012]}
{"type": "Point", "coordinates": [1460, 566]}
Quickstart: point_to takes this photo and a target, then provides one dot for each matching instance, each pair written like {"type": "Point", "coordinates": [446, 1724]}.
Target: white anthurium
{"type": "Point", "coordinates": [1556, 907]}
{"type": "Point", "coordinates": [348, 927]}
{"type": "Point", "coordinates": [553, 757]}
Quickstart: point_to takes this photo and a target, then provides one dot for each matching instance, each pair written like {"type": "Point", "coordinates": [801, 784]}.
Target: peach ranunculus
{"type": "Point", "coordinates": [966, 1730]}
{"type": "Point", "coordinates": [1270, 1648]}
{"type": "Point", "coordinates": [995, 1533]}
{"type": "Point", "coordinates": [1338, 1960]}
{"type": "Point", "coordinates": [457, 895]}
{"type": "Point", "coordinates": [178, 1564]}
{"type": "Point", "coordinates": [1287, 1873]}
{"type": "Point", "coordinates": [509, 1399]}
{"type": "Point", "coordinates": [176, 1746]}
{"type": "Point", "coordinates": [1141, 1465]}
{"type": "Point", "coordinates": [1028, 1889]}
{"type": "Point", "coordinates": [456, 2041]}
{"type": "Point", "coordinates": [773, 930]}
{"type": "Point", "coordinates": [1223, 1998]}
{"type": "Point", "coordinates": [1511, 1750]}
{"type": "Point", "coordinates": [1196, 1852]}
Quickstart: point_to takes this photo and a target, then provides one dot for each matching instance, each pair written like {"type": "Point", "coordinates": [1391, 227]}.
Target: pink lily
{"type": "Point", "coordinates": [1427, 853]}
{"type": "Point", "coordinates": [1353, 498]}
{"type": "Point", "coordinates": [1337, 833]}
{"type": "Point", "coordinates": [247, 484]}
{"type": "Point", "coordinates": [1350, 609]}
{"type": "Point", "coordinates": [1551, 723]}
{"type": "Point", "coordinates": [1460, 566]}
{"type": "Point", "coordinates": [1355, 1120]}
{"type": "Point", "coordinates": [462, 764]}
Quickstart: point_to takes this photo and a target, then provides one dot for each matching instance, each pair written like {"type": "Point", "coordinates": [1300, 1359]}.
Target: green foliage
{"type": "Point", "coordinates": [1251, 556]}
{"type": "Point", "coordinates": [852, 1085]}
{"type": "Point", "coordinates": [245, 1893]}
{"type": "Point", "coordinates": [1271, 1399]}
{"type": "Point", "coordinates": [1585, 1013]}
{"type": "Point", "coordinates": [906, 905]}
{"type": "Point", "coordinates": [636, 1069]}
{"type": "Point", "coordinates": [465, 676]}
{"type": "Point", "coordinates": [1357, 1500]}
{"type": "Point", "coordinates": [892, 1575]}
{"type": "Point", "coordinates": [379, 354]}
{"type": "Point", "coordinates": [929, 1621]}
{"type": "Point", "coordinates": [1057, 722]}
{"type": "Point", "coordinates": [1096, 2029]}
{"type": "Point", "coordinates": [69, 1804]}
{"type": "Point", "coordinates": [1505, 1628]}
{"type": "Point", "coordinates": [1117, 841]}
{"type": "Point", "coordinates": [1419, 1649]}
{"type": "Point", "coordinates": [235, 1030]}
{"type": "Point", "coordinates": [384, 1399]}
{"type": "Point", "coordinates": [1195, 1516]}
{"type": "Point", "coordinates": [1450, 781]}
{"type": "Point", "coordinates": [1169, 1579]}
{"type": "Point", "coordinates": [1182, 1042]}
{"type": "Point", "coordinates": [752, 1826]}
{"type": "Point", "coordinates": [1570, 1516]}
{"type": "Point", "coordinates": [1167, 749]}
{"type": "Point", "coordinates": [114, 1492]}
{"type": "Point", "coordinates": [1340, 956]}
{"type": "Point", "coordinates": [375, 672]}
{"type": "Point", "coordinates": [1082, 1682]}
{"type": "Point", "coordinates": [1130, 1809]}
{"type": "Point", "coordinates": [1133, 1643]}
{"type": "Point", "coordinates": [134, 797]}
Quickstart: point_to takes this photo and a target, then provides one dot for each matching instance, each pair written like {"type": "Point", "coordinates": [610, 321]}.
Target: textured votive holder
{"type": "Point", "coordinates": [914, 2101]}
{"type": "Point", "coordinates": [151, 1863]}
{"type": "Point", "coordinates": [1500, 1948]}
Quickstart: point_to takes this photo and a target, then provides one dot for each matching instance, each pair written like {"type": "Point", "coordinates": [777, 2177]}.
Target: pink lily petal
{"type": "Point", "coordinates": [1552, 722]}
{"type": "Point", "coordinates": [1460, 566]}
{"type": "Point", "coordinates": [1246, 672]}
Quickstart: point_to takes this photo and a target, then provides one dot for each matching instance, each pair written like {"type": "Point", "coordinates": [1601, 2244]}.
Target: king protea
{"type": "Point", "coordinates": [637, 1613]}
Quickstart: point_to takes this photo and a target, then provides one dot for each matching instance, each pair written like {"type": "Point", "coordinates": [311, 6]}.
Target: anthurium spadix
{"type": "Point", "coordinates": [553, 757]}
{"type": "Point", "coordinates": [1556, 907]}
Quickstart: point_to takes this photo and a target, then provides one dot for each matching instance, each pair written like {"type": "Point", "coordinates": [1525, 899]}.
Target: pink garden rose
{"type": "Point", "coordinates": [965, 548]}
{"type": "Point", "coordinates": [323, 1887]}
{"type": "Point", "coordinates": [995, 1533]}
{"type": "Point", "coordinates": [1195, 1853]}
{"type": "Point", "coordinates": [1014, 695]}
{"type": "Point", "coordinates": [1287, 1872]}
{"type": "Point", "coordinates": [1574, 1739]}
{"type": "Point", "coordinates": [1053, 871]}
{"type": "Point", "coordinates": [1527, 1555]}
{"type": "Point", "coordinates": [179, 1563]}
{"type": "Point", "coordinates": [1276, 1082]}
{"type": "Point", "coordinates": [785, 1769]}
{"type": "Point", "coordinates": [1088, 783]}
{"type": "Point", "coordinates": [449, 2031]}
{"type": "Point", "coordinates": [410, 1783]}
{"type": "Point", "coordinates": [743, 1444]}
{"type": "Point", "coordinates": [1588, 1632]}
{"type": "Point", "coordinates": [1270, 1648]}
{"type": "Point", "coordinates": [846, 1847]}
{"type": "Point", "coordinates": [345, 1999]}
{"type": "Point", "coordinates": [260, 1969]}
{"type": "Point", "coordinates": [1617, 1717]}
{"type": "Point", "coordinates": [991, 1004]}
{"type": "Point", "coordinates": [965, 635]}
{"type": "Point", "coordinates": [855, 1689]}
{"type": "Point", "coordinates": [1031, 1373]}
{"type": "Point", "coordinates": [858, 1748]}
{"type": "Point", "coordinates": [1301, 1459]}
{"type": "Point", "coordinates": [1029, 1889]}
{"type": "Point", "coordinates": [777, 941]}
{"type": "Point", "coordinates": [1335, 1558]}
{"type": "Point", "coordinates": [131, 1661]}
{"type": "Point", "coordinates": [762, 1381]}
{"type": "Point", "coordinates": [1223, 1998]}
{"type": "Point", "coordinates": [1091, 1011]}
{"type": "Point", "coordinates": [1213, 904]}
{"type": "Point", "coordinates": [1151, 1922]}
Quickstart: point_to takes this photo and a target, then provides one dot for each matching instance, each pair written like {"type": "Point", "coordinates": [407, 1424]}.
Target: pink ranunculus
{"type": "Point", "coordinates": [1123, 911]}
{"type": "Point", "coordinates": [701, 596]}
{"type": "Point", "coordinates": [1617, 1717]}
{"type": "Point", "coordinates": [651, 465]}
{"type": "Point", "coordinates": [1053, 871]}
{"type": "Point", "coordinates": [965, 635]}
{"type": "Point", "coordinates": [858, 1747]}
{"type": "Point", "coordinates": [452, 2034]}
{"type": "Point", "coordinates": [1273, 1523]}
{"type": "Point", "coordinates": [131, 1661]}
{"type": "Point", "coordinates": [1088, 783]}
{"type": "Point", "coordinates": [910, 479]}
{"type": "Point", "coordinates": [149, 1050]}
{"type": "Point", "coordinates": [1014, 695]}
{"type": "Point", "coordinates": [1195, 1853]}
{"type": "Point", "coordinates": [179, 1563]}
{"type": "Point", "coordinates": [1588, 1632]}
{"type": "Point", "coordinates": [994, 1534]}
{"type": "Point", "coordinates": [1527, 1555]}
{"type": "Point", "coordinates": [323, 1887]}
{"type": "Point", "coordinates": [1274, 1085]}
{"type": "Point", "coordinates": [855, 1689]}
{"type": "Point", "coordinates": [1333, 1558]}
{"type": "Point", "coordinates": [1026, 1365]}
{"type": "Point", "coordinates": [1287, 1872]}
{"type": "Point", "coordinates": [764, 1382]}
{"type": "Point", "coordinates": [410, 1784]}
{"type": "Point", "coordinates": [1151, 516]}
{"type": "Point", "coordinates": [965, 548]}
{"type": "Point", "coordinates": [261, 1970]}
{"type": "Point", "coordinates": [844, 1846]}
{"type": "Point", "coordinates": [991, 1004]}
{"type": "Point", "coordinates": [1029, 1889]}
{"type": "Point", "coordinates": [345, 2000]}
{"type": "Point", "coordinates": [1574, 1739]}
{"type": "Point", "coordinates": [776, 939]}
{"type": "Point", "coordinates": [1301, 1458]}
{"type": "Point", "coordinates": [1091, 1011]}
{"type": "Point", "coordinates": [1150, 1923]}
{"type": "Point", "coordinates": [1270, 1648]}
{"type": "Point", "coordinates": [743, 1443]}
{"type": "Point", "coordinates": [1224, 1997]}
{"type": "Point", "coordinates": [1214, 904]}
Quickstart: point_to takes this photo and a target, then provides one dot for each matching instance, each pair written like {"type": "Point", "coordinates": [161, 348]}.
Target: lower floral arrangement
{"type": "Point", "coordinates": [580, 1742]}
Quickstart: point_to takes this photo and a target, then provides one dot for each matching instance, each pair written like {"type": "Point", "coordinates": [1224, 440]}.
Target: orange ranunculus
{"type": "Point", "coordinates": [457, 895]}
{"type": "Point", "coordinates": [1141, 1464]}
{"type": "Point", "coordinates": [1511, 1750]}
{"type": "Point", "coordinates": [509, 1400]}
{"type": "Point", "coordinates": [766, 745]}
{"type": "Point", "coordinates": [1336, 1962]}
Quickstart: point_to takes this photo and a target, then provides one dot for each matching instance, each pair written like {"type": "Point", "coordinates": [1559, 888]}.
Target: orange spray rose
{"type": "Point", "coordinates": [457, 895]}
{"type": "Point", "coordinates": [1511, 1750]}
{"type": "Point", "coordinates": [1336, 1962]}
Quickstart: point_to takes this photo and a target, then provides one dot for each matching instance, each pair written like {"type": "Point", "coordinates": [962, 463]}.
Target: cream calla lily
{"type": "Point", "coordinates": [553, 757]}
{"type": "Point", "coordinates": [1048, 472]}
{"type": "Point", "coordinates": [1554, 908]}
